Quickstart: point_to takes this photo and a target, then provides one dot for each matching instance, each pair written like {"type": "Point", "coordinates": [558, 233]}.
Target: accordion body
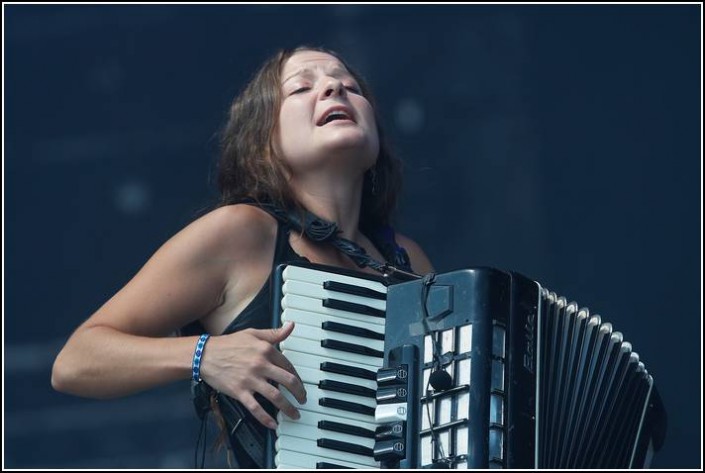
{"type": "Point", "coordinates": [533, 381]}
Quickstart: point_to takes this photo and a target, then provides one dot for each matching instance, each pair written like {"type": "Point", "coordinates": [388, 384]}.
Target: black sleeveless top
{"type": "Point", "coordinates": [258, 315]}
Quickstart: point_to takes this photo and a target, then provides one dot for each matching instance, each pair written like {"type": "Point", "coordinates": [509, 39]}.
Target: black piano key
{"type": "Point", "coordinates": [351, 348]}
{"type": "Point", "coordinates": [350, 330]}
{"type": "Point", "coordinates": [352, 307]}
{"type": "Point", "coordinates": [331, 466]}
{"type": "Point", "coordinates": [346, 388]}
{"type": "Point", "coordinates": [354, 290]}
{"type": "Point", "coordinates": [355, 372]}
{"type": "Point", "coordinates": [345, 429]}
{"type": "Point", "coordinates": [347, 406]}
{"type": "Point", "coordinates": [345, 447]}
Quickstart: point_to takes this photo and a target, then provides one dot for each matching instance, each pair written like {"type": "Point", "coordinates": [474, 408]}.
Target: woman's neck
{"type": "Point", "coordinates": [334, 200]}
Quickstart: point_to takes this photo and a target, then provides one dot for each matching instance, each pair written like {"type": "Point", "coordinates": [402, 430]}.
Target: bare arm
{"type": "Point", "coordinates": [123, 347]}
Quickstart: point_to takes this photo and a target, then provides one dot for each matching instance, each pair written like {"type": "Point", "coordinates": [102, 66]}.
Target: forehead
{"type": "Point", "coordinates": [311, 60]}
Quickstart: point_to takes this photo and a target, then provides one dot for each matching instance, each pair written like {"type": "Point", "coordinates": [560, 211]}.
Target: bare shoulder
{"type": "Point", "coordinates": [419, 261]}
{"type": "Point", "coordinates": [231, 229]}
{"type": "Point", "coordinates": [239, 221]}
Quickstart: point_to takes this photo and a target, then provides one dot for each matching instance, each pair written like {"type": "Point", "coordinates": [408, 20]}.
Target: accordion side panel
{"type": "Point", "coordinates": [480, 300]}
{"type": "Point", "coordinates": [522, 362]}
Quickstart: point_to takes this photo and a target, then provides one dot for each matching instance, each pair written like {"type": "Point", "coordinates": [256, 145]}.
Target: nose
{"type": "Point", "coordinates": [333, 87]}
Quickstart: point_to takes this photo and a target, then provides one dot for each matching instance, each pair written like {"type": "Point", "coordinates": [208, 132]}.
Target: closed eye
{"type": "Point", "coordinates": [300, 89]}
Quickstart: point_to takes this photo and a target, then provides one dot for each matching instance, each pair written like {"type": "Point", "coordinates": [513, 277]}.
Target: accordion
{"type": "Point", "coordinates": [475, 368]}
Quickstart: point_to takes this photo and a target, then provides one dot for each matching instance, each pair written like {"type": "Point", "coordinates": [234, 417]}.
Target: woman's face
{"type": "Point", "coordinates": [324, 121]}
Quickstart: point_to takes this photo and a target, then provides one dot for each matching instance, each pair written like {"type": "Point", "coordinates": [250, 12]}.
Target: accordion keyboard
{"type": "Point", "coordinates": [337, 346]}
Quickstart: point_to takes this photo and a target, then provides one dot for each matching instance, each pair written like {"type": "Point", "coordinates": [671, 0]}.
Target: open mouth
{"type": "Point", "coordinates": [336, 114]}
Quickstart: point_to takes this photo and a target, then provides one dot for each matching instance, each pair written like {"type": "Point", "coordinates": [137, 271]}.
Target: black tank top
{"type": "Point", "coordinates": [258, 314]}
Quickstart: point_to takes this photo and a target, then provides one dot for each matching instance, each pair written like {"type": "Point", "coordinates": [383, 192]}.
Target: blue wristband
{"type": "Point", "coordinates": [196, 365]}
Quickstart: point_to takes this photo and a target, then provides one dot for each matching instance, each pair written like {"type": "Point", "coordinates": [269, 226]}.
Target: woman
{"type": "Point", "coordinates": [303, 138]}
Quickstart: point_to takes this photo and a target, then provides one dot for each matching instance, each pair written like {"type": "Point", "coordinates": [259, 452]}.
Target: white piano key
{"type": "Point", "coordinates": [314, 361]}
{"type": "Point", "coordinates": [304, 345]}
{"type": "Point", "coordinates": [319, 277]}
{"type": "Point", "coordinates": [295, 429]}
{"type": "Point", "coordinates": [296, 444]}
{"type": "Point", "coordinates": [316, 320]}
{"type": "Point", "coordinates": [313, 418]}
{"type": "Point", "coordinates": [291, 301]}
{"type": "Point", "coordinates": [314, 376]}
{"type": "Point", "coordinates": [289, 460]}
{"type": "Point", "coordinates": [316, 291]}
{"type": "Point", "coordinates": [313, 395]}
{"type": "Point", "coordinates": [318, 334]}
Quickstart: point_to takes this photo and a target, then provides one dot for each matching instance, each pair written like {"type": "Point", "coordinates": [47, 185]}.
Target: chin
{"type": "Point", "coordinates": [352, 142]}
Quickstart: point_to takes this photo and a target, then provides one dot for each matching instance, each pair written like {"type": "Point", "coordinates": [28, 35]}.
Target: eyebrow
{"type": "Point", "coordinates": [337, 71]}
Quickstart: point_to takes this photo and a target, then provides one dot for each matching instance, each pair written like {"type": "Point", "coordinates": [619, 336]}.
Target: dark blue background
{"type": "Point", "coordinates": [559, 141]}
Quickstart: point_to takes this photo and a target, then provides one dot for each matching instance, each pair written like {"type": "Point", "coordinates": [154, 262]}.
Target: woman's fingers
{"type": "Point", "coordinates": [257, 365]}
{"type": "Point", "coordinates": [257, 411]}
{"type": "Point", "coordinates": [284, 373]}
{"type": "Point", "coordinates": [274, 335]}
{"type": "Point", "coordinates": [292, 381]}
{"type": "Point", "coordinates": [275, 396]}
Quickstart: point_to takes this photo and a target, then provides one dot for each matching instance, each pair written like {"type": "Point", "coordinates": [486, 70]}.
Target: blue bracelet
{"type": "Point", "coordinates": [196, 365]}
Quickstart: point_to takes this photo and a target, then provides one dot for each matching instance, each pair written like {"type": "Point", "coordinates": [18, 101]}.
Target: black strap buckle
{"type": "Point", "coordinates": [250, 441]}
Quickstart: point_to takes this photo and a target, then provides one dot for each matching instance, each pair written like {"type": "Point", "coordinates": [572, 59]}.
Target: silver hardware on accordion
{"type": "Point", "coordinates": [531, 380]}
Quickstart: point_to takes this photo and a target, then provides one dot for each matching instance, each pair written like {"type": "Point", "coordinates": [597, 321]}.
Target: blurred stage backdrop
{"type": "Point", "coordinates": [562, 142]}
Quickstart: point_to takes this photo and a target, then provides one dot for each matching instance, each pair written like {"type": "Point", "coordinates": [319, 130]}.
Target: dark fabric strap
{"type": "Point", "coordinates": [323, 231]}
{"type": "Point", "coordinates": [247, 442]}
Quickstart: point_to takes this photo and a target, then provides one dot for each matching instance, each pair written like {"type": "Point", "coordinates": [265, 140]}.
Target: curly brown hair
{"type": "Point", "coordinates": [249, 167]}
